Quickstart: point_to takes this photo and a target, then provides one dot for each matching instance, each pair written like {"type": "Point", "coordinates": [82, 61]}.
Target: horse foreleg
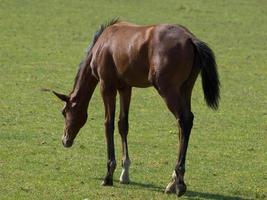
{"type": "Point", "coordinates": [125, 98]}
{"type": "Point", "coordinates": [109, 98]}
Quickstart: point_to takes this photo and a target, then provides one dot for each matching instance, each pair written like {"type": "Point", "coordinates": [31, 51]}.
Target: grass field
{"type": "Point", "coordinates": [41, 44]}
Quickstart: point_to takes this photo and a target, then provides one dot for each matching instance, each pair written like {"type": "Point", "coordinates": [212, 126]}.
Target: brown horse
{"type": "Point", "coordinates": [124, 55]}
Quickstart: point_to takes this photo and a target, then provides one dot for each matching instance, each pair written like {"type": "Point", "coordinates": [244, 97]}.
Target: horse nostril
{"type": "Point", "coordinates": [66, 142]}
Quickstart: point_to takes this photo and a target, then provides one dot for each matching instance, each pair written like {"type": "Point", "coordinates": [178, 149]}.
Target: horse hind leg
{"type": "Point", "coordinates": [185, 123]}
{"type": "Point", "coordinates": [179, 105]}
{"type": "Point", "coordinates": [125, 98]}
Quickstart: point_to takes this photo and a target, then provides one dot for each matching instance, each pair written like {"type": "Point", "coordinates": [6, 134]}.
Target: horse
{"type": "Point", "coordinates": [123, 55]}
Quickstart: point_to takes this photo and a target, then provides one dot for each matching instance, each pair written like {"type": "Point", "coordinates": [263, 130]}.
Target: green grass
{"type": "Point", "coordinates": [41, 44]}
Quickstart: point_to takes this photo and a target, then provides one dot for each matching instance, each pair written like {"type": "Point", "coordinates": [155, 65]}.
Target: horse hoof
{"type": "Point", "coordinates": [124, 179]}
{"type": "Point", "coordinates": [180, 189]}
{"type": "Point", "coordinates": [107, 182]}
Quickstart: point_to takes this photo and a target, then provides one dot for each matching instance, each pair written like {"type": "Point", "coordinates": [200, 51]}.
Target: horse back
{"type": "Point", "coordinates": [131, 53]}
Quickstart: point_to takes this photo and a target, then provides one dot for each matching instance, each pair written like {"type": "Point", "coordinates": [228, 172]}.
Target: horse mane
{"type": "Point", "coordinates": [92, 43]}
{"type": "Point", "coordinates": [99, 32]}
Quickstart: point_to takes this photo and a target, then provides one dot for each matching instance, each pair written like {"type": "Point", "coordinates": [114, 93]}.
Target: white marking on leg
{"type": "Point", "coordinates": [112, 166]}
{"type": "Point", "coordinates": [174, 175]}
{"type": "Point", "coordinates": [124, 178]}
{"type": "Point", "coordinates": [171, 186]}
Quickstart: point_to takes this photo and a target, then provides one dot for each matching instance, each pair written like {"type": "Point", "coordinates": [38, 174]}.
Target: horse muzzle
{"type": "Point", "coordinates": [67, 142]}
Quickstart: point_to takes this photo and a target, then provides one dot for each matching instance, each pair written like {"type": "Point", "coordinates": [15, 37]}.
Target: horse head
{"type": "Point", "coordinates": [75, 117]}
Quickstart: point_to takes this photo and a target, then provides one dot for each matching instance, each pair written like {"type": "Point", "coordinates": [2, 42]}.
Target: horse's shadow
{"type": "Point", "coordinates": [147, 186]}
{"type": "Point", "coordinates": [210, 196]}
{"type": "Point", "coordinates": [189, 193]}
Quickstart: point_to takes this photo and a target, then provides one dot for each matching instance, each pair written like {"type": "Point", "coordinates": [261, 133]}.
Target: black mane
{"type": "Point", "coordinates": [92, 43]}
{"type": "Point", "coordinates": [99, 32]}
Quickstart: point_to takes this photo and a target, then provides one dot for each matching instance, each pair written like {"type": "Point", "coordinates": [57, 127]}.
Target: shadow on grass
{"type": "Point", "coordinates": [136, 185]}
{"type": "Point", "coordinates": [204, 195]}
{"type": "Point", "coordinates": [148, 186]}
{"type": "Point", "coordinates": [189, 193]}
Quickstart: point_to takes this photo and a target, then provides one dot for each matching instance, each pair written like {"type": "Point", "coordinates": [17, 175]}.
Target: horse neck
{"type": "Point", "coordinates": [85, 84]}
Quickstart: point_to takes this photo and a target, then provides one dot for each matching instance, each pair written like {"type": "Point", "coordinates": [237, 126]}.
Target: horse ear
{"type": "Point", "coordinates": [62, 97]}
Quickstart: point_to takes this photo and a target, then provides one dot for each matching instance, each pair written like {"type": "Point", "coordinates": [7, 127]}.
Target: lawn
{"type": "Point", "coordinates": [41, 45]}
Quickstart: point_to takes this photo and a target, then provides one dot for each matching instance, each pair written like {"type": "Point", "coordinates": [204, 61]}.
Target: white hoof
{"type": "Point", "coordinates": [124, 178]}
{"type": "Point", "coordinates": [171, 187]}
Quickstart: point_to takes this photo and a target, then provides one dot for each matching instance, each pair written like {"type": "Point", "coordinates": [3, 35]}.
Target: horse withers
{"type": "Point", "coordinates": [122, 56]}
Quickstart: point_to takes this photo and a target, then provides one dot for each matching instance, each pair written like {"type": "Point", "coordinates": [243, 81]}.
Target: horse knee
{"type": "Point", "coordinates": [189, 119]}
{"type": "Point", "coordinates": [123, 125]}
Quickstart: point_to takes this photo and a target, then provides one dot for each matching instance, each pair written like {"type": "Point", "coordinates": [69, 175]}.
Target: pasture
{"type": "Point", "coordinates": [41, 45]}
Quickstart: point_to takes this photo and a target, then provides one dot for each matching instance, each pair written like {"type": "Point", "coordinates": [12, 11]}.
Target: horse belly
{"type": "Point", "coordinates": [135, 76]}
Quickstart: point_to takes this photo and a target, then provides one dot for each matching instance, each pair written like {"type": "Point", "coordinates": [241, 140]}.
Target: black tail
{"type": "Point", "coordinates": [210, 79]}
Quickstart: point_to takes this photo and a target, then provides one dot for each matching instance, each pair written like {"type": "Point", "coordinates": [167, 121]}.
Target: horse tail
{"type": "Point", "coordinates": [209, 75]}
